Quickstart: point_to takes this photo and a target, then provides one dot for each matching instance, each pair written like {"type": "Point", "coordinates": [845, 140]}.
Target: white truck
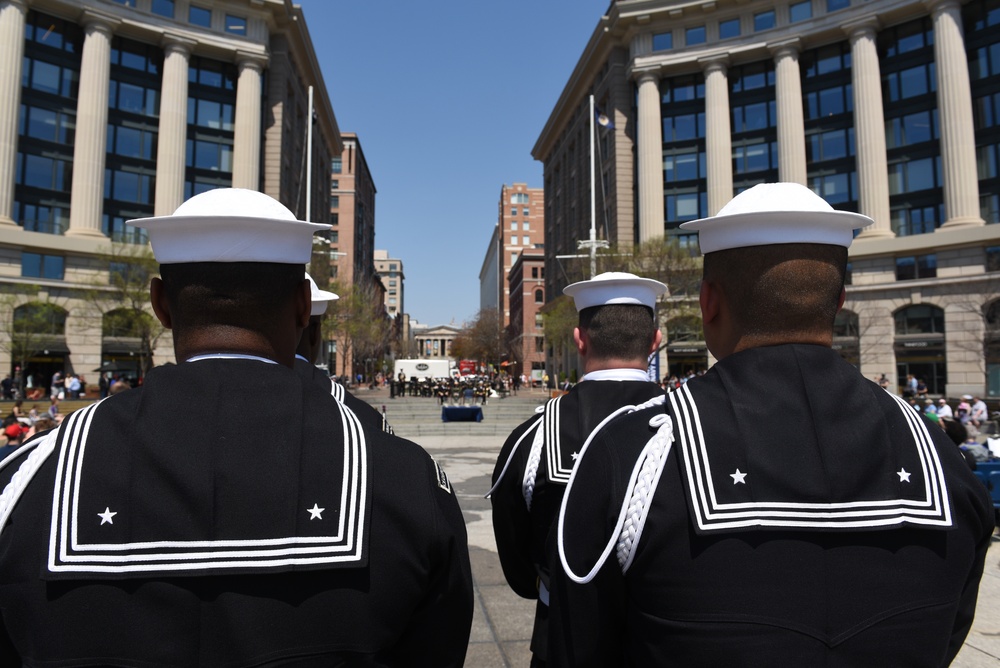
{"type": "Point", "coordinates": [423, 368]}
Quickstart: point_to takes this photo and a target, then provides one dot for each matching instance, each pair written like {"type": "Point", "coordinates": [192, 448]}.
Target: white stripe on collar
{"type": "Point", "coordinates": [300, 357]}
{"type": "Point", "coordinates": [616, 374]}
{"type": "Point", "coordinates": [228, 356]}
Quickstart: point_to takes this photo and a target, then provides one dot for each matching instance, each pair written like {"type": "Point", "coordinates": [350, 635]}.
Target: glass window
{"type": "Point", "coordinates": [913, 267]}
{"type": "Point", "coordinates": [800, 11]}
{"type": "Point", "coordinates": [36, 265]}
{"type": "Point", "coordinates": [513, 225]}
{"type": "Point", "coordinates": [539, 297]}
{"type": "Point", "coordinates": [513, 258]}
{"type": "Point", "coordinates": [992, 258]}
{"type": "Point", "coordinates": [525, 241]}
{"type": "Point", "coordinates": [730, 28]}
{"type": "Point", "coordinates": [127, 3]}
{"type": "Point", "coordinates": [524, 211]}
{"type": "Point", "coordinates": [837, 5]}
{"type": "Point", "coordinates": [336, 165]}
{"type": "Point", "coordinates": [199, 16]}
{"type": "Point", "coordinates": [237, 25]}
{"type": "Point", "coordinates": [526, 226]}
{"type": "Point", "coordinates": [694, 35]}
{"type": "Point", "coordinates": [163, 8]}
{"type": "Point", "coordinates": [334, 201]}
{"type": "Point", "coordinates": [763, 21]}
{"type": "Point", "coordinates": [663, 41]}
{"type": "Point", "coordinates": [920, 319]}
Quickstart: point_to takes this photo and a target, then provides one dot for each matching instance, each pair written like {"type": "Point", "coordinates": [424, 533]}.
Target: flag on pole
{"type": "Point", "coordinates": [603, 119]}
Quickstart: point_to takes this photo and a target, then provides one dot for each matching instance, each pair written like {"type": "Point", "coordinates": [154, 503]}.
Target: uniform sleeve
{"type": "Point", "coordinates": [970, 593]}
{"type": "Point", "coordinates": [586, 620]}
{"type": "Point", "coordinates": [511, 519]}
{"type": "Point", "coordinates": [441, 624]}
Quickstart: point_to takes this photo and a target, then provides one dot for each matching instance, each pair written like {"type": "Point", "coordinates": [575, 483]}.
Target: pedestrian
{"type": "Point", "coordinates": [944, 410]}
{"type": "Point", "coordinates": [781, 509]}
{"type": "Point", "coordinates": [224, 512]}
{"type": "Point", "coordinates": [617, 332]}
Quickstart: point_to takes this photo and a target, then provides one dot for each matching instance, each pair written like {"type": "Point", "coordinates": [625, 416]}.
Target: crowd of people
{"type": "Point", "coordinates": [777, 509]}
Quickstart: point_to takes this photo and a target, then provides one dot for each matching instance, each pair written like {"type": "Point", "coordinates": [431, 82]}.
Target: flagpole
{"type": "Point", "coordinates": [309, 157]}
{"type": "Point", "coordinates": [593, 197]}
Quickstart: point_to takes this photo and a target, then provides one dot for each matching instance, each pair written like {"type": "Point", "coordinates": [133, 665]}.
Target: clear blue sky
{"type": "Point", "coordinates": [447, 100]}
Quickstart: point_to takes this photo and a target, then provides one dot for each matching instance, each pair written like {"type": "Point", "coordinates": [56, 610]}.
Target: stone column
{"type": "Point", "coordinates": [791, 124]}
{"type": "Point", "coordinates": [246, 142]}
{"type": "Point", "coordinates": [954, 98]}
{"type": "Point", "coordinates": [869, 128]}
{"type": "Point", "coordinates": [718, 133]}
{"type": "Point", "coordinates": [12, 15]}
{"type": "Point", "coordinates": [87, 198]}
{"type": "Point", "coordinates": [172, 136]}
{"type": "Point", "coordinates": [650, 140]}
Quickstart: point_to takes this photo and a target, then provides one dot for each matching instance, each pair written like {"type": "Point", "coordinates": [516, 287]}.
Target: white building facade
{"type": "Point", "coordinates": [888, 108]}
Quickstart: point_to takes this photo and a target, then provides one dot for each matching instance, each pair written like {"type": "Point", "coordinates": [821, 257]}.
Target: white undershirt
{"type": "Point", "coordinates": [229, 356]}
{"type": "Point", "coordinates": [616, 374]}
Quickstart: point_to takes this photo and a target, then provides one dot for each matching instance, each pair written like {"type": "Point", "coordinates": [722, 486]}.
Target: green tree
{"type": "Point", "coordinates": [122, 299]}
{"type": "Point", "coordinates": [484, 338]}
{"type": "Point", "coordinates": [359, 321]}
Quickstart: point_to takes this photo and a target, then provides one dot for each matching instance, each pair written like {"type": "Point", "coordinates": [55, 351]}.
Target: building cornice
{"type": "Point", "coordinates": [943, 239]}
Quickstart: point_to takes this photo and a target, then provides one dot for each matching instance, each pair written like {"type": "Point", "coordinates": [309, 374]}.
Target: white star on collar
{"type": "Point", "coordinates": [106, 516]}
{"type": "Point", "coordinates": [575, 456]}
{"type": "Point", "coordinates": [315, 512]}
{"type": "Point", "coordinates": [904, 475]}
{"type": "Point", "coordinates": [738, 478]}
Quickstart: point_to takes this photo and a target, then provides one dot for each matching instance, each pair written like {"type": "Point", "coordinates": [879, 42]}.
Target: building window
{"type": "Point", "coordinates": [199, 16]}
{"type": "Point", "coordinates": [539, 297]}
{"type": "Point", "coordinates": [919, 319]}
{"type": "Point", "coordinates": [334, 201]}
{"type": "Point", "coordinates": [534, 271]}
{"type": "Point", "coordinates": [837, 5]}
{"type": "Point", "coordinates": [992, 258]}
{"type": "Point", "coordinates": [335, 184]}
{"type": "Point", "coordinates": [800, 11]}
{"type": "Point", "coordinates": [694, 35]}
{"type": "Point", "coordinates": [336, 165]}
{"type": "Point", "coordinates": [663, 41]}
{"type": "Point", "coordinates": [513, 211]}
{"type": "Point", "coordinates": [525, 241]}
{"type": "Point", "coordinates": [36, 265]}
{"type": "Point", "coordinates": [127, 3]}
{"type": "Point", "coordinates": [519, 198]}
{"type": "Point", "coordinates": [763, 21]}
{"type": "Point", "coordinates": [392, 266]}
{"type": "Point", "coordinates": [334, 237]}
{"type": "Point", "coordinates": [525, 212]}
{"type": "Point", "coordinates": [163, 8]}
{"type": "Point", "coordinates": [729, 29]}
{"type": "Point", "coordinates": [513, 225]}
{"type": "Point", "coordinates": [513, 258]}
{"type": "Point", "coordinates": [913, 267]}
{"type": "Point", "coordinates": [236, 25]}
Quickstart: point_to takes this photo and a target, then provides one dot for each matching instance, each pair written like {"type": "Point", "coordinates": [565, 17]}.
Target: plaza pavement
{"type": "Point", "coordinates": [501, 627]}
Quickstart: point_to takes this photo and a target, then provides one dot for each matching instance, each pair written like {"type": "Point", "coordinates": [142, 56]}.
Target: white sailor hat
{"type": "Point", "coordinates": [230, 225]}
{"type": "Point", "coordinates": [776, 213]}
{"type": "Point", "coordinates": [320, 298]}
{"type": "Point", "coordinates": [615, 287]}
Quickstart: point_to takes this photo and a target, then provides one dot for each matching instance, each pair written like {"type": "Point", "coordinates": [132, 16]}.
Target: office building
{"type": "Point", "coordinates": [519, 227]}
{"type": "Point", "coordinates": [888, 108]}
{"type": "Point", "coordinates": [527, 297]}
{"type": "Point", "coordinates": [114, 110]}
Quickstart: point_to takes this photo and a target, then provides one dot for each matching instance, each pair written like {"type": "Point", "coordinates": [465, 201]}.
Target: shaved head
{"type": "Point", "coordinates": [781, 289]}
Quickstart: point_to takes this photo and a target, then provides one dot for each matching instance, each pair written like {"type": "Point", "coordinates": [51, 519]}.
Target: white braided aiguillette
{"type": "Point", "coordinates": [654, 455]}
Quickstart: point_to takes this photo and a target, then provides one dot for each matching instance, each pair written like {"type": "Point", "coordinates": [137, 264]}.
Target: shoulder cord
{"type": "Point", "coordinates": [513, 450]}
{"type": "Point", "coordinates": [635, 508]}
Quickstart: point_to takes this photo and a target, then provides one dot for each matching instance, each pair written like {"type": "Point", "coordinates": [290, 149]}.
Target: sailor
{"type": "Point", "coordinates": [617, 333]}
{"type": "Point", "coordinates": [308, 351]}
{"type": "Point", "coordinates": [225, 512]}
{"type": "Point", "coordinates": [782, 509]}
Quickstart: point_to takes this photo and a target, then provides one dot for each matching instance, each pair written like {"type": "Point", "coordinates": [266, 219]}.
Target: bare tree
{"type": "Point", "coordinates": [484, 339]}
{"type": "Point", "coordinates": [358, 320]}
